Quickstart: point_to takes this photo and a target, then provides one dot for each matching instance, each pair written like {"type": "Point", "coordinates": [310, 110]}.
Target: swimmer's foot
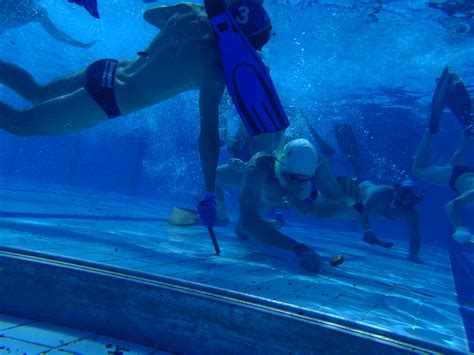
{"type": "Point", "coordinates": [371, 239]}
{"type": "Point", "coordinates": [238, 231]}
{"type": "Point", "coordinates": [415, 259]}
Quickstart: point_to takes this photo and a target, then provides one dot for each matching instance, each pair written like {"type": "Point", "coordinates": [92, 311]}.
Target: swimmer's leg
{"type": "Point", "coordinates": [459, 155]}
{"type": "Point", "coordinates": [453, 208]}
{"type": "Point", "coordinates": [68, 113]}
{"type": "Point", "coordinates": [435, 174]}
{"type": "Point", "coordinates": [210, 96]}
{"type": "Point", "coordinates": [415, 244]}
{"type": "Point", "coordinates": [23, 83]}
{"type": "Point", "coordinates": [226, 176]}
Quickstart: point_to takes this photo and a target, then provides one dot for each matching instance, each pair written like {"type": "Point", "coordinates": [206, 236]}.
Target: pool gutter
{"type": "Point", "coordinates": [177, 315]}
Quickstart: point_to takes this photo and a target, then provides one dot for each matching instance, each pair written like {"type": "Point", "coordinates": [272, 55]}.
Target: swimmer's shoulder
{"type": "Point", "coordinates": [261, 162]}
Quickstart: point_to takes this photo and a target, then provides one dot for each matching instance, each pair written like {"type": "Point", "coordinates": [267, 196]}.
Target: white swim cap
{"type": "Point", "coordinates": [298, 158]}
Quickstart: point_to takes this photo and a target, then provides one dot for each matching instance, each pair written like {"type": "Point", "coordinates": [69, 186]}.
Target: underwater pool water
{"type": "Point", "coordinates": [104, 194]}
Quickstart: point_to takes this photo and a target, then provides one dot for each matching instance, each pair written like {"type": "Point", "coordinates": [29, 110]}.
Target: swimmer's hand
{"type": "Point", "coordinates": [414, 259]}
{"type": "Point", "coordinates": [207, 210]}
{"type": "Point", "coordinates": [307, 257]}
{"type": "Point", "coordinates": [237, 165]}
{"type": "Point", "coordinates": [370, 238]}
{"type": "Point", "coordinates": [462, 235]}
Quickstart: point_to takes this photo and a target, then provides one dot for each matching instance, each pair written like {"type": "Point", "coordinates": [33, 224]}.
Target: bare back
{"type": "Point", "coordinates": [378, 198]}
{"type": "Point", "coordinates": [180, 58]}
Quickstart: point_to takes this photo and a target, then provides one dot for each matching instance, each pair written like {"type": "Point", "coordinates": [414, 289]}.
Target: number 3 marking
{"type": "Point", "coordinates": [244, 15]}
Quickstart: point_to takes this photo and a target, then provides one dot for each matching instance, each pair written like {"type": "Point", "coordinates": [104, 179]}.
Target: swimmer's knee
{"type": "Point", "coordinates": [453, 204]}
{"type": "Point", "coordinates": [420, 172]}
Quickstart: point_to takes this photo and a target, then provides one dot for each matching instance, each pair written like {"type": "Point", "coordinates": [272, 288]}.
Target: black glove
{"type": "Point", "coordinates": [307, 257]}
{"type": "Point", "coordinates": [370, 238]}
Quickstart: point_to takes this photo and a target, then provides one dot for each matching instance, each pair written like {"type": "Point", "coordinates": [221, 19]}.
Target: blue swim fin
{"type": "Point", "coordinates": [347, 142]}
{"type": "Point", "coordinates": [247, 78]}
{"type": "Point", "coordinates": [458, 100]}
{"type": "Point", "coordinates": [438, 102]}
{"type": "Point", "coordinates": [89, 5]}
{"type": "Point", "coordinates": [325, 148]}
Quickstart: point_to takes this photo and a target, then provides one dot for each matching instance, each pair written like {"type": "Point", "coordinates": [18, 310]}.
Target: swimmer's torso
{"type": "Point", "coordinates": [384, 205]}
{"type": "Point", "coordinates": [179, 59]}
{"type": "Point", "coordinates": [465, 183]}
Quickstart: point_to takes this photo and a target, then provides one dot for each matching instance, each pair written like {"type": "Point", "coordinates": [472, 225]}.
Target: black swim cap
{"type": "Point", "coordinates": [253, 21]}
{"type": "Point", "coordinates": [407, 193]}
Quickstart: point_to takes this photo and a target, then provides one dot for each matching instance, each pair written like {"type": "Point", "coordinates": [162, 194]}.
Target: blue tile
{"type": "Point", "coordinates": [46, 334]}
{"type": "Point", "coordinates": [16, 346]}
{"type": "Point", "coordinates": [104, 345]}
{"type": "Point", "coordinates": [7, 322]}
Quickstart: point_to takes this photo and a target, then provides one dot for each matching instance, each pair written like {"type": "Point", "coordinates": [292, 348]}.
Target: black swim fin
{"type": "Point", "coordinates": [458, 100]}
{"type": "Point", "coordinates": [347, 142]}
{"type": "Point", "coordinates": [438, 103]}
{"type": "Point", "coordinates": [247, 79]}
{"type": "Point", "coordinates": [350, 190]}
{"type": "Point", "coordinates": [325, 148]}
{"type": "Point", "coordinates": [373, 240]}
{"type": "Point", "coordinates": [89, 5]}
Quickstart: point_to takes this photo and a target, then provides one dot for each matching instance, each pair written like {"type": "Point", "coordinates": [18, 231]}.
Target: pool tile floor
{"type": "Point", "coordinates": [374, 287]}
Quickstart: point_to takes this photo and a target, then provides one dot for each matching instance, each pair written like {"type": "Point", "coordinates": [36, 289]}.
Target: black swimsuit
{"type": "Point", "coordinates": [100, 84]}
{"type": "Point", "coordinates": [457, 172]}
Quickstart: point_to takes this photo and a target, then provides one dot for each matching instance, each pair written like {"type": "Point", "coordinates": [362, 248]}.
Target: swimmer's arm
{"type": "Point", "coordinates": [412, 220]}
{"type": "Point", "coordinates": [50, 27]}
{"type": "Point", "coordinates": [160, 15]}
{"type": "Point", "coordinates": [210, 95]}
{"type": "Point", "coordinates": [327, 184]}
{"type": "Point", "coordinates": [371, 204]}
{"type": "Point", "coordinates": [251, 220]}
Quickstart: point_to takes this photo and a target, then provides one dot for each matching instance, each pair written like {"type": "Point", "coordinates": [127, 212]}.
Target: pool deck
{"type": "Point", "coordinates": [373, 288]}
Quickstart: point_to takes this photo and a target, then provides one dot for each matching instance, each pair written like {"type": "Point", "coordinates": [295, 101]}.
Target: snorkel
{"type": "Point", "coordinates": [407, 194]}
